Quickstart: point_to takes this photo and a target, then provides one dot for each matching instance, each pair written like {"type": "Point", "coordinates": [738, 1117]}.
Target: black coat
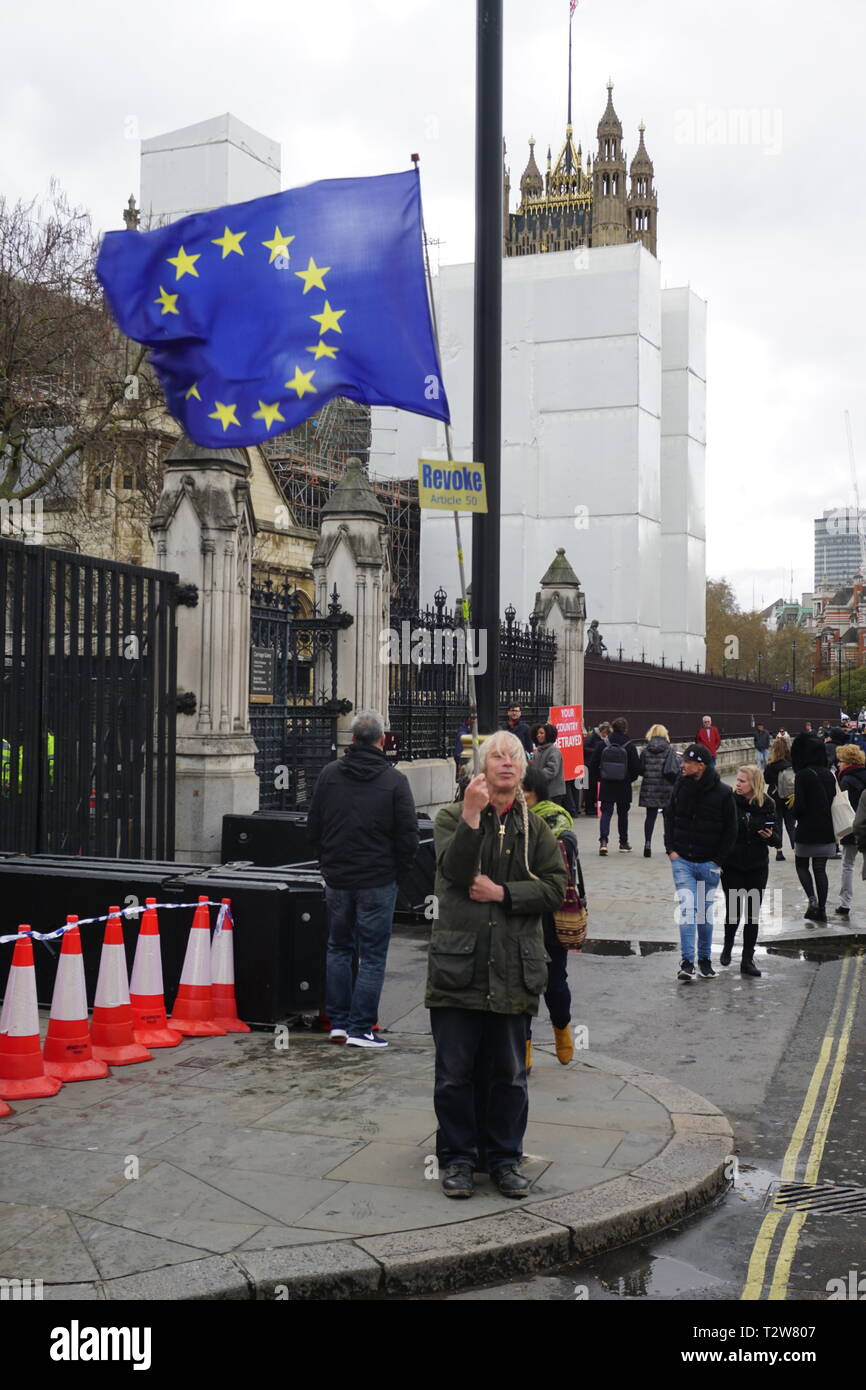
{"type": "Point", "coordinates": [814, 790]}
{"type": "Point", "coordinates": [701, 819]}
{"type": "Point", "coordinates": [772, 773]}
{"type": "Point", "coordinates": [655, 788]}
{"type": "Point", "coordinates": [617, 792]}
{"type": "Point", "coordinates": [750, 851]}
{"type": "Point", "coordinates": [521, 731]}
{"type": "Point", "coordinates": [362, 821]}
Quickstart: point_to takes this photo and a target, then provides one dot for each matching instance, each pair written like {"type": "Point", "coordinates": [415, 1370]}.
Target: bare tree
{"type": "Point", "coordinates": [67, 377]}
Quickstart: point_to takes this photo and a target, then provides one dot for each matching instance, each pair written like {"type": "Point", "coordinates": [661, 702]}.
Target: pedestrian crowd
{"type": "Point", "coordinates": [509, 887]}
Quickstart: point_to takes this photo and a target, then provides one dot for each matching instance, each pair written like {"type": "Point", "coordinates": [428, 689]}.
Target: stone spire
{"type": "Point", "coordinates": [642, 201]}
{"type": "Point", "coordinates": [531, 182]}
{"type": "Point", "coordinates": [609, 221]}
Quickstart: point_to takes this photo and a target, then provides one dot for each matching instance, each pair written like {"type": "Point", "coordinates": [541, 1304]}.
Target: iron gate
{"type": "Point", "coordinates": [293, 699]}
{"type": "Point", "coordinates": [87, 705]}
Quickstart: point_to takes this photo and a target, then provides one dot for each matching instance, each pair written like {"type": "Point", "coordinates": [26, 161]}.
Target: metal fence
{"type": "Point", "coordinates": [428, 679]}
{"type": "Point", "coordinates": [87, 705]}
{"type": "Point", "coordinates": [294, 701]}
{"type": "Point", "coordinates": [676, 697]}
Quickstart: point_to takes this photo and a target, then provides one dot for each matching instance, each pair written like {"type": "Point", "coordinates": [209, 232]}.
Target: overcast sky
{"type": "Point", "coordinates": [763, 213]}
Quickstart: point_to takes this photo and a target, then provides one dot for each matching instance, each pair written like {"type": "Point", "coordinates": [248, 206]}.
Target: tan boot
{"type": "Point", "coordinates": [528, 1056]}
{"type": "Point", "coordinates": [564, 1043]}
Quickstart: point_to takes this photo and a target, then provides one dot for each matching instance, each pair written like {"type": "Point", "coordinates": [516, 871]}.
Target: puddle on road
{"type": "Point", "coordinates": [817, 951]}
{"type": "Point", "coordinates": [601, 947]}
{"type": "Point", "coordinates": [820, 950]}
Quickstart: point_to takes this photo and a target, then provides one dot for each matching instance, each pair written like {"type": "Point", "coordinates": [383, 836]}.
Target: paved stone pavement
{"type": "Point", "coordinates": [233, 1167]}
{"type": "Point", "coordinates": [262, 1165]}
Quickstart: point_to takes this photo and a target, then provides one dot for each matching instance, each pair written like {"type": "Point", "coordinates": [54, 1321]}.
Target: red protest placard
{"type": "Point", "coordinates": [568, 721]}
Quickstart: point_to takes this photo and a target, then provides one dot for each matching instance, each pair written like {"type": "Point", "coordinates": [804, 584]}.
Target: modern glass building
{"type": "Point", "coordinates": [837, 546]}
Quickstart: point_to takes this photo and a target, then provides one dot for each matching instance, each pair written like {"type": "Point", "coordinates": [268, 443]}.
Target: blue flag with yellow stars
{"type": "Point", "coordinates": [258, 313]}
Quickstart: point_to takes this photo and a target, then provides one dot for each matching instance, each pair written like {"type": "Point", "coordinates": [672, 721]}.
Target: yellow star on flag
{"type": "Point", "coordinates": [193, 392]}
{"type": "Point", "coordinates": [184, 264]}
{"type": "Point", "coordinates": [168, 301]}
{"type": "Point", "coordinates": [323, 349]}
{"type": "Point", "coordinates": [229, 241]}
{"type": "Point", "coordinates": [301, 382]}
{"type": "Point", "coordinates": [328, 319]}
{"type": "Point", "coordinates": [268, 413]}
{"type": "Point", "coordinates": [278, 245]}
{"type": "Point", "coordinates": [312, 276]}
{"type": "Point", "coordinates": [225, 414]}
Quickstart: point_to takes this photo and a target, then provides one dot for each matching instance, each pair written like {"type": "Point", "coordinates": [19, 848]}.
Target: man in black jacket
{"type": "Point", "coordinates": [700, 832]}
{"type": "Point", "coordinates": [364, 829]}
{"type": "Point", "coordinates": [517, 725]}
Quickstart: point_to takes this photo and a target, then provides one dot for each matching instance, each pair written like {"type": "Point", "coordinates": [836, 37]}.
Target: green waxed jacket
{"type": "Point", "coordinates": [483, 956]}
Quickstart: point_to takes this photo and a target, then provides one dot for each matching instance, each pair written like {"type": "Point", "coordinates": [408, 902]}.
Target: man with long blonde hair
{"type": "Point", "coordinates": [498, 870]}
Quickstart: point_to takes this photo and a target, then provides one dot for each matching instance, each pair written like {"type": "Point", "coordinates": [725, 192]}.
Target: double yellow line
{"type": "Point", "coordinates": [756, 1277]}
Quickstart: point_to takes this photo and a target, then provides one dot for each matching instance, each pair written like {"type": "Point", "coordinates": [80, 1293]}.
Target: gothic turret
{"type": "Point", "coordinates": [531, 182]}
{"type": "Point", "coordinates": [609, 221]}
{"type": "Point", "coordinates": [642, 201]}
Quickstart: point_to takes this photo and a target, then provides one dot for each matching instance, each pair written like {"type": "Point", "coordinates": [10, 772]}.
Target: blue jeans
{"type": "Point", "coordinates": [761, 756]}
{"type": "Point", "coordinates": [359, 924]}
{"type": "Point", "coordinates": [697, 886]}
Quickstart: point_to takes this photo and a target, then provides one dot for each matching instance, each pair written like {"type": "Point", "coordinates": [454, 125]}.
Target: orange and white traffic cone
{"type": "Point", "coordinates": [222, 962]}
{"type": "Point", "coordinates": [111, 1029]}
{"type": "Point", "coordinates": [145, 988]}
{"type": "Point", "coordinates": [22, 1071]}
{"type": "Point", "coordinates": [67, 1045]}
{"type": "Point", "coordinates": [193, 1012]}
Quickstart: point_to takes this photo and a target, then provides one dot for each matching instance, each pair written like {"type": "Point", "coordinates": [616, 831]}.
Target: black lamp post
{"type": "Point", "coordinates": [486, 432]}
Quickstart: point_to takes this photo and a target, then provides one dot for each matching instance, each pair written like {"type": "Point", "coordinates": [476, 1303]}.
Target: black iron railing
{"type": "Point", "coordinates": [87, 705]}
{"type": "Point", "coordinates": [429, 665]}
{"type": "Point", "coordinates": [295, 707]}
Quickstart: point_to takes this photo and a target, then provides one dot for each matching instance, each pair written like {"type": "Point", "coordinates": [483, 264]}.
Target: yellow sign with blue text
{"type": "Point", "coordinates": [451, 487]}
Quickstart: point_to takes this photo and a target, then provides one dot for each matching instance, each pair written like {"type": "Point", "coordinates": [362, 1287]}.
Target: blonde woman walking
{"type": "Point", "coordinates": [746, 866]}
{"type": "Point", "coordinates": [659, 768]}
{"type": "Point", "coordinates": [852, 779]}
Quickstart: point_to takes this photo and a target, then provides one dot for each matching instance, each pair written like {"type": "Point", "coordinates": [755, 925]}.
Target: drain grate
{"type": "Point", "coordinates": [822, 1198]}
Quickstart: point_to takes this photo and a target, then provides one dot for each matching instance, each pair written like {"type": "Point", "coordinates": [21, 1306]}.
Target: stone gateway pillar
{"type": "Point", "coordinates": [203, 528]}
{"type": "Point", "coordinates": [352, 556]}
{"type": "Point", "coordinates": [560, 605]}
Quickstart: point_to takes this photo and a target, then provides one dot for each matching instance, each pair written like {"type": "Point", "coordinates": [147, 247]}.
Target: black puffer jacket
{"type": "Point", "coordinates": [814, 790]}
{"type": "Point", "coordinates": [655, 788]}
{"type": "Point", "coordinates": [701, 819]}
{"type": "Point", "coordinates": [362, 822]}
{"type": "Point", "coordinates": [751, 851]}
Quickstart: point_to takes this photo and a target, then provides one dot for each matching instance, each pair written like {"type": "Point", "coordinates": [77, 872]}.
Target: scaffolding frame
{"type": "Point", "coordinates": [309, 461]}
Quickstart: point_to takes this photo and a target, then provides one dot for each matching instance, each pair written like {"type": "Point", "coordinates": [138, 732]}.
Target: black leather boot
{"type": "Point", "coordinates": [725, 957]}
{"type": "Point", "coordinates": [747, 961]}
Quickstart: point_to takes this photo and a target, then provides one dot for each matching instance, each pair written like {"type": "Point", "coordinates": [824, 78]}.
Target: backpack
{"type": "Point", "coordinates": [613, 765]}
{"type": "Point", "coordinates": [785, 783]}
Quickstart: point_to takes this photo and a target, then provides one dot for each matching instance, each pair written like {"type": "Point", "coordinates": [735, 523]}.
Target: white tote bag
{"type": "Point", "coordinates": [843, 814]}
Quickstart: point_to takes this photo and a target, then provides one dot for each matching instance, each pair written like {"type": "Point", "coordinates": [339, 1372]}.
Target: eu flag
{"type": "Point", "coordinates": [258, 313]}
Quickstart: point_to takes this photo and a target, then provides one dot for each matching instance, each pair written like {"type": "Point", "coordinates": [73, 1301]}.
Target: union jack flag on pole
{"type": "Point", "coordinates": [572, 8]}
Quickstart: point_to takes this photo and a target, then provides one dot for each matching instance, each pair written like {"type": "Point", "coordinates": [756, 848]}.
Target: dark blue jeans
{"type": "Point", "coordinates": [480, 1094]}
{"type": "Point", "coordinates": [359, 921]}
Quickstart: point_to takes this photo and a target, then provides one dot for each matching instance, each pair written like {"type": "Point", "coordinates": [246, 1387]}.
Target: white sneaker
{"type": "Point", "coordinates": [368, 1040]}
{"type": "Point", "coordinates": [339, 1035]}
